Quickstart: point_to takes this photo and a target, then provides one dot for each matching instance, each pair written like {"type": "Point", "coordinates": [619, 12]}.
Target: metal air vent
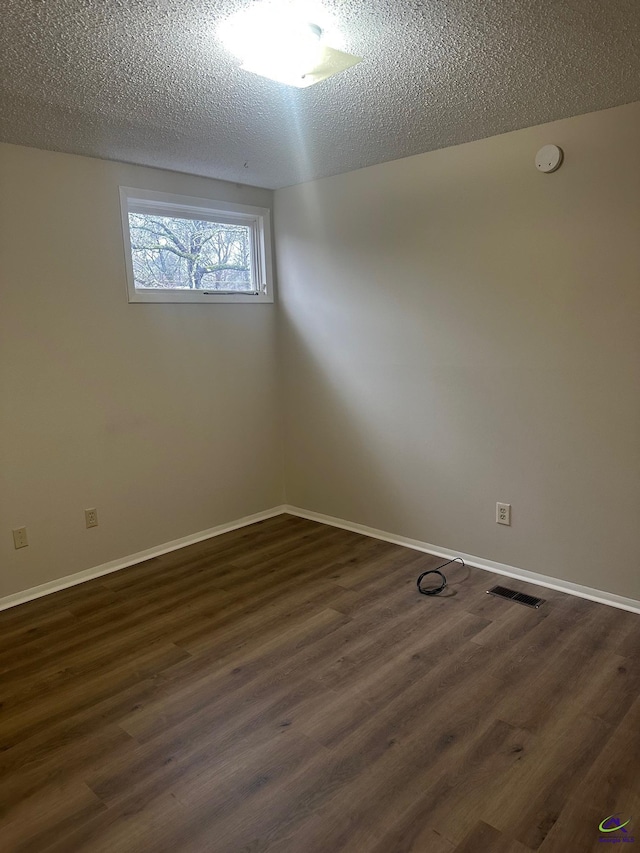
{"type": "Point", "coordinates": [513, 595]}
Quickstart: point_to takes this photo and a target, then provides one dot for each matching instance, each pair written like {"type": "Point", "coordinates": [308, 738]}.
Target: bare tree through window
{"type": "Point", "coordinates": [190, 254]}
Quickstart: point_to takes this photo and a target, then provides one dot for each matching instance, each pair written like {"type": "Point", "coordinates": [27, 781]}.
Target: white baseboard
{"type": "Point", "coordinates": [598, 595]}
{"type": "Point", "coordinates": [125, 562]}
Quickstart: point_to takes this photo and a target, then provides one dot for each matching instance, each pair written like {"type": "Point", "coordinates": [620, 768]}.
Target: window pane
{"type": "Point", "coordinates": [170, 253]}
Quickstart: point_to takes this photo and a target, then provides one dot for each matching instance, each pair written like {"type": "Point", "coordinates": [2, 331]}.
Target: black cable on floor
{"type": "Point", "coordinates": [437, 571]}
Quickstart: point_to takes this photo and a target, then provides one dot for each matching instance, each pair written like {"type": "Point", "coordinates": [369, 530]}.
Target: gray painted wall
{"type": "Point", "coordinates": [459, 329]}
{"type": "Point", "coordinates": [164, 417]}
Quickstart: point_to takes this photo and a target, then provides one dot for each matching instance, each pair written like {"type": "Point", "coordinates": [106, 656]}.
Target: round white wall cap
{"type": "Point", "coordinates": [549, 158]}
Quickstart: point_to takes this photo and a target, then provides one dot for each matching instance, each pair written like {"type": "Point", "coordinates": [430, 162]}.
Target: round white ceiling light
{"type": "Point", "coordinates": [274, 40]}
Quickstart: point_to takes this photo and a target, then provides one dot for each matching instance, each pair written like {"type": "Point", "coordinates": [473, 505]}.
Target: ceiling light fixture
{"type": "Point", "coordinates": [276, 42]}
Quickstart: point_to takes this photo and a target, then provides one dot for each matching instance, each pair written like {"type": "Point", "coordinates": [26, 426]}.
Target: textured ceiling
{"type": "Point", "coordinates": [146, 81]}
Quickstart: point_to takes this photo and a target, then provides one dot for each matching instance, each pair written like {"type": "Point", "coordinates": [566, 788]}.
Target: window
{"type": "Point", "coordinates": [182, 249]}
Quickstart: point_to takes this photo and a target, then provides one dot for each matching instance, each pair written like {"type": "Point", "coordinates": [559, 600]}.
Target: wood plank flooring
{"type": "Point", "coordinates": [285, 688]}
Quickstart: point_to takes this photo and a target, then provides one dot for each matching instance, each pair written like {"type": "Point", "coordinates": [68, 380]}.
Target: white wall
{"type": "Point", "coordinates": [164, 417]}
{"type": "Point", "coordinates": [460, 329]}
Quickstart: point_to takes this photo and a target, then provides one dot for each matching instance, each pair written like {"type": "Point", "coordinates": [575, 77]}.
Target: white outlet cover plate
{"type": "Point", "coordinates": [503, 513]}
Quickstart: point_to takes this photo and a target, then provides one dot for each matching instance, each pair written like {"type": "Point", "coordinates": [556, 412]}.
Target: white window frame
{"type": "Point", "coordinates": [187, 207]}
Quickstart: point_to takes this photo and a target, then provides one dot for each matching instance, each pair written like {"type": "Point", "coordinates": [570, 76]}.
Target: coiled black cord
{"type": "Point", "coordinates": [437, 590]}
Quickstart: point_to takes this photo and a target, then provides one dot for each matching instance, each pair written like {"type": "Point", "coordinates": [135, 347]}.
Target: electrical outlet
{"type": "Point", "coordinates": [91, 517]}
{"type": "Point", "coordinates": [20, 537]}
{"type": "Point", "coordinates": [503, 513]}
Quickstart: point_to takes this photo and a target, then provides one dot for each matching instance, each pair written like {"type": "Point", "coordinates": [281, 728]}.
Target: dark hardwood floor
{"type": "Point", "coordinates": [285, 688]}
